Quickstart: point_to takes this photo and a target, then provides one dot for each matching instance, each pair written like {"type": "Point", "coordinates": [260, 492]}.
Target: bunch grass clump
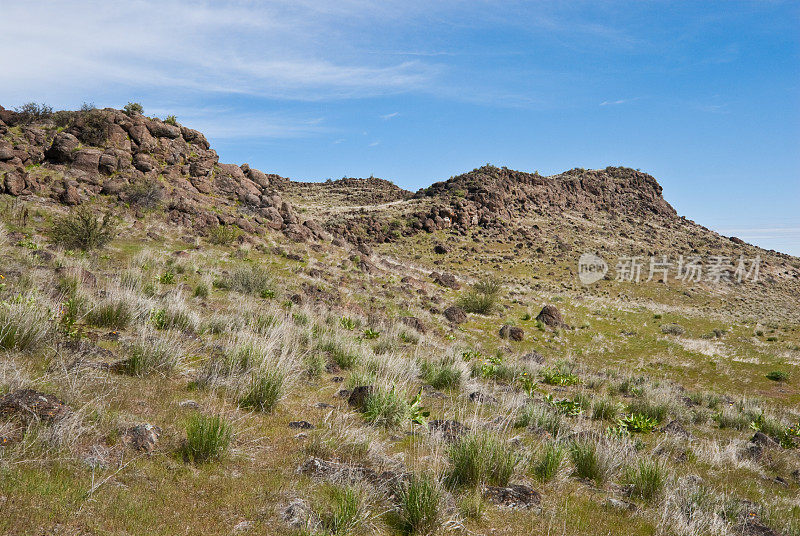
{"type": "Point", "coordinates": [111, 313]}
{"type": "Point", "coordinates": [345, 509]}
{"type": "Point", "coordinates": [207, 438]}
{"type": "Point", "coordinates": [265, 389]}
{"type": "Point", "coordinates": [386, 407]}
{"type": "Point", "coordinates": [24, 325]}
{"type": "Point", "coordinates": [478, 458]}
{"type": "Point", "coordinates": [419, 508]}
{"type": "Point", "coordinates": [482, 297]}
{"type": "Point", "coordinates": [646, 479]}
{"type": "Point", "coordinates": [547, 463]}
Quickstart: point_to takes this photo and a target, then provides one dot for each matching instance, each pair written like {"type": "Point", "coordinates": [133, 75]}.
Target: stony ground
{"type": "Point", "coordinates": [254, 356]}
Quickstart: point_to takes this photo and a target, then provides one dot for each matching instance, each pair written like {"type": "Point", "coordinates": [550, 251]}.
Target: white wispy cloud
{"type": "Point", "coordinates": [390, 116]}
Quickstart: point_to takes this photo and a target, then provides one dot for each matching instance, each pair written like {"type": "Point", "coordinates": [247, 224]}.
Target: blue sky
{"type": "Point", "coordinates": [705, 96]}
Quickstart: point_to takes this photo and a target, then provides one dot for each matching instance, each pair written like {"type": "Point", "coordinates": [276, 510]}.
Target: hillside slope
{"type": "Point", "coordinates": [236, 352]}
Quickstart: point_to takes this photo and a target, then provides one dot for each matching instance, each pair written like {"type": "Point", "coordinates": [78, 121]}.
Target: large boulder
{"type": "Point", "coordinates": [63, 148]}
{"type": "Point", "coordinates": [143, 162]}
{"type": "Point", "coordinates": [160, 129]}
{"type": "Point", "coordinates": [455, 314]}
{"type": "Point", "coordinates": [87, 160]}
{"type": "Point", "coordinates": [14, 183]}
{"type": "Point", "coordinates": [514, 333]}
{"type": "Point", "coordinates": [6, 151]}
{"type": "Point", "coordinates": [551, 317]}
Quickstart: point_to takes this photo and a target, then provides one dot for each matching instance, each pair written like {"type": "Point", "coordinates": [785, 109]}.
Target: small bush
{"type": "Point", "coordinates": [207, 438]}
{"type": "Point", "coordinates": [149, 354]}
{"type": "Point", "coordinates": [636, 422]}
{"type": "Point", "coordinates": [171, 120]}
{"type": "Point", "coordinates": [83, 229]}
{"type": "Point", "coordinates": [419, 505]}
{"type": "Point", "coordinates": [265, 390]}
{"type": "Point", "coordinates": [133, 108]}
{"type": "Point", "coordinates": [646, 479]}
{"type": "Point", "coordinates": [777, 376]}
{"type": "Point", "coordinates": [561, 376]}
{"type": "Point", "coordinates": [482, 298]}
{"type": "Point", "coordinates": [31, 112]}
{"type": "Point", "coordinates": [479, 458]}
{"type": "Point", "coordinates": [252, 280]}
{"type": "Point", "coordinates": [110, 313]}
{"type": "Point", "coordinates": [146, 194]}
{"type": "Point", "coordinates": [223, 235]}
{"type": "Point", "coordinates": [94, 128]}
{"type": "Point", "coordinates": [385, 407]}
{"type": "Point", "coordinates": [548, 462]}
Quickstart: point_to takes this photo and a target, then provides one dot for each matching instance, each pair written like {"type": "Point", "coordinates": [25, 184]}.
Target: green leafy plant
{"type": "Point", "coordinates": [347, 323]}
{"type": "Point", "coordinates": [167, 278]}
{"type": "Point", "coordinates": [777, 375]}
{"type": "Point", "coordinates": [418, 414]}
{"type": "Point", "coordinates": [570, 408]}
{"type": "Point", "coordinates": [370, 334]}
{"type": "Point", "coordinates": [638, 423]}
{"type": "Point", "coordinates": [558, 376]}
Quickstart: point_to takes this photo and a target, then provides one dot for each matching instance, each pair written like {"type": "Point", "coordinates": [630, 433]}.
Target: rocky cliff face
{"type": "Point", "coordinates": [491, 196]}
{"type": "Point", "coordinates": [73, 157]}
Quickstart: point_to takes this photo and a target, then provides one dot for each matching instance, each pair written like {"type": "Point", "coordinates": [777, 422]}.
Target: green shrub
{"type": "Point", "coordinates": [110, 313]}
{"type": "Point", "coordinates": [83, 229]}
{"type": "Point", "coordinates": [167, 278]}
{"type": "Point", "coordinates": [252, 280]}
{"type": "Point", "coordinates": [560, 376]}
{"type": "Point", "coordinates": [370, 334]}
{"type": "Point", "coordinates": [146, 194]}
{"type": "Point", "coordinates": [149, 355]}
{"type": "Point", "coordinates": [478, 458]}
{"type": "Point", "coordinates": [548, 461]}
{"type": "Point", "coordinates": [171, 120]}
{"type": "Point", "coordinates": [265, 390]}
{"type": "Point", "coordinates": [646, 479]}
{"type": "Point", "coordinates": [653, 410]}
{"type": "Point", "coordinates": [94, 128]}
{"type": "Point", "coordinates": [777, 376]}
{"type": "Point", "coordinates": [482, 298]}
{"type": "Point", "coordinates": [223, 235]}
{"type": "Point", "coordinates": [348, 323]}
{"type": "Point", "coordinates": [571, 408]}
{"type": "Point", "coordinates": [31, 112]}
{"type": "Point", "coordinates": [419, 505]}
{"type": "Point", "coordinates": [133, 108]}
{"type": "Point", "coordinates": [385, 407]}
{"type": "Point", "coordinates": [207, 438]}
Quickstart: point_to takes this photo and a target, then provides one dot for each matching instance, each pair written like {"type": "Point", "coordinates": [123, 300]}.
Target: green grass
{"type": "Point", "coordinates": [547, 463]}
{"type": "Point", "coordinates": [207, 438]}
{"type": "Point", "coordinates": [442, 374]}
{"type": "Point", "coordinates": [605, 408]}
{"type": "Point", "coordinates": [115, 314]}
{"type": "Point", "coordinates": [419, 509]}
{"type": "Point", "coordinates": [344, 510]}
{"type": "Point", "coordinates": [777, 376]}
{"type": "Point", "coordinates": [385, 407]}
{"type": "Point", "coordinates": [24, 325]}
{"type": "Point", "coordinates": [540, 417]}
{"type": "Point", "coordinates": [482, 298]}
{"type": "Point", "coordinates": [589, 462]}
{"type": "Point", "coordinates": [265, 389]}
{"type": "Point", "coordinates": [478, 458]}
{"type": "Point", "coordinates": [646, 479]}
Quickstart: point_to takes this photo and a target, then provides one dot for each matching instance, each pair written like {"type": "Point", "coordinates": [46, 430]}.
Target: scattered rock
{"type": "Point", "coordinates": [189, 404]}
{"type": "Point", "coordinates": [551, 317]}
{"type": "Point", "coordinates": [448, 429]}
{"type": "Point", "coordinates": [414, 323]}
{"type": "Point", "coordinates": [303, 425]}
{"type": "Point", "coordinates": [358, 396]}
{"type": "Point", "coordinates": [299, 515]}
{"type": "Point", "coordinates": [617, 504]}
{"type": "Point", "coordinates": [515, 333]}
{"type": "Point", "coordinates": [439, 249]}
{"type": "Point", "coordinates": [143, 437]}
{"type": "Point", "coordinates": [29, 404]}
{"type": "Point", "coordinates": [533, 357]}
{"type": "Point", "coordinates": [676, 428]}
{"type": "Point", "coordinates": [446, 280]}
{"type": "Point", "coordinates": [514, 496]}
{"type": "Point", "coordinates": [481, 398]}
{"type": "Point", "coordinates": [455, 314]}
